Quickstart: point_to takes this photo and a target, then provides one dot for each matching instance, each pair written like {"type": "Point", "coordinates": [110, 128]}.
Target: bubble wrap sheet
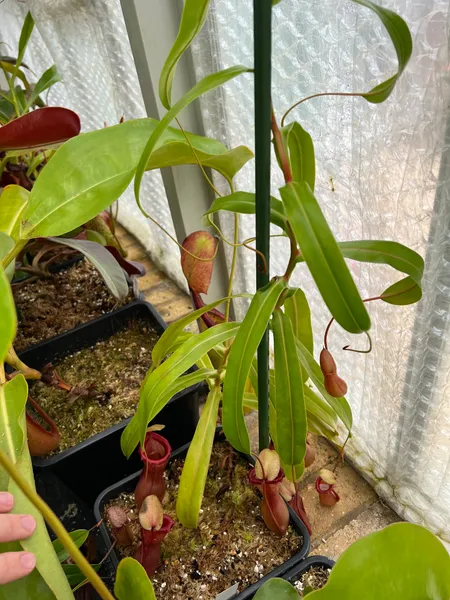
{"type": "Point", "coordinates": [88, 42]}
{"type": "Point", "coordinates": [389, 167]}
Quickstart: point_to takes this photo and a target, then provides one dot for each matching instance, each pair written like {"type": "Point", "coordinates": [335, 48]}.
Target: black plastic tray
{"type": "Point", "coordinates": [312, 561]}
{"type": "Point", "coordinates": [129, 484]}
{"type": "Point", "coordinates": [92, 465]}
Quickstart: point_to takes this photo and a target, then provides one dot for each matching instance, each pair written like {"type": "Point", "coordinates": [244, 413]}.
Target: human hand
{"type": "Point", "coordinates": [14, 565]}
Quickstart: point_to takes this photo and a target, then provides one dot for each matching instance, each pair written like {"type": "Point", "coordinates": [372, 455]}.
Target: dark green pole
{"type": "Point", "coordinates": [262, 25]}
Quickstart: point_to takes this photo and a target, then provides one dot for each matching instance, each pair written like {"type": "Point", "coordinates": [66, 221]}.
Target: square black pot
{"type": "Point", "coordinates": [92, 465]}
{"type": "Point", "coordinates": [129, 484]}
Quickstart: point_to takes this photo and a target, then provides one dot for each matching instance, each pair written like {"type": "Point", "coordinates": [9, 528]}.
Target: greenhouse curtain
{"type": "Point", "coordinates": [383, 173]}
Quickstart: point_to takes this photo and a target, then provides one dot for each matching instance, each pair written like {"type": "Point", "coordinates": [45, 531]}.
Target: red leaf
{"type": "Point", "coordinates": [131, 267]}
{"type": "Point", "coordinates": [39, 128]}
{"type": "Point", "coordinates": [198, 273]}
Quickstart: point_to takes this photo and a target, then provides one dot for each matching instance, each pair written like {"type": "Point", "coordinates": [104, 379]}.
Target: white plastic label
{"type": "Point", "coordinates": [231, 592]}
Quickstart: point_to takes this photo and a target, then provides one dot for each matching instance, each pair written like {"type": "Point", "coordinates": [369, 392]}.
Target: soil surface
{"type": "Point", "coordinates": [314, 578]}
{"type": "Point", "coordinates": [47, 307]}
{"type": "Point", "coordinates": [116, 366]}
{"type": "Point", "coordinates": [231, 543]}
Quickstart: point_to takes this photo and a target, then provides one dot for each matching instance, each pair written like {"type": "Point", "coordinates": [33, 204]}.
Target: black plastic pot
{"type": "Point", "coordinates": [129, 484]}
{"type": "Point", "coordinates": [74, 514]}
{"type": "Point", "coordinates": [92, 465]}
{"type": "Point", "coordinates": [313, 561]}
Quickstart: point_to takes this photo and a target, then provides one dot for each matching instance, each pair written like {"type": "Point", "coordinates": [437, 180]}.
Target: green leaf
{"type": "Point", "coordinates": [170, 335]}
{"type": "Point", "coordinates": [8, 321]}
{"type": "Point", "coordinates": [339, 405]}
{"type": "Point", "coordinates": [25, 34]}
{"type": "Point", "coordinates": [240, 361]}
{"type": "Point", "coordinates": [323, 257]}
{"type": "Point", "coordinates": [47, 79]}
{"type": "Point", "coordinates": [396, 255]}
{"type": "Point", "coordinates": [405, 291]}
{"type": "Point", "coordinates": [244, 202]}
{"type": "Point", "coordinates": [103, 261]}
{"type": "Point", "coordinates": [226, 162]}
{"type": "Point", "coordinates": [401, 38]}
{"type": "Point", "coordinates": [73, 574]}
{"type": "Point", "coordinates": [78, 536]}
{"type": "Point", "coordinates": [153, 393]}
{"type": "Point", "coordinates": [12, 202]}
{"type": "Point", "coordinates": [94, 236]}
{"type": "Point", "coordinates": [192, 20]}
{"type": "Point", "coordinates": [277, 589]}
{"type": "Point", "coordinates": [297, 309]}
{"type": "Point", "coordinates": [132, 582]}
{"type": "Point", "coordinates": [403, 561]}
{"type": "Point", "coordinates": [289, 399]}
{"type": "Point", "coordinates": [322, 420]}
{"type": "Point", "coordinates": [207, 84]}
{"type": "Point", "coordinates": [47, 582]}
{"type": "Point", "coordinates": [300, 147]}
{"type": "Point", "coordinates": [98, 166]}
{"type": "Point", "coordinates": [7, 244]}
{"type": "Point", "coordinates": [195, 470]}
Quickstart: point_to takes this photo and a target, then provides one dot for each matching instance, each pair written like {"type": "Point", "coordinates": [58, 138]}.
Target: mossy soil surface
{"type": "Point", "coordinates": [47, 307]}
{"type": "Point", "coordinates": [231, 544]}
{"type": "Point", "coordinates": [116, 367]}
{"type": "Point", "coordinates": [314, 578]}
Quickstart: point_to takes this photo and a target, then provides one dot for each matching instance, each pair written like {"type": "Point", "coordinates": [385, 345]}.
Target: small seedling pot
{"type": "Point", "coordinates": [92, 465]}
{"type": "Point", "coordinates": [294, 574]}
{"type": "Point", "coordinates": [129, 484]}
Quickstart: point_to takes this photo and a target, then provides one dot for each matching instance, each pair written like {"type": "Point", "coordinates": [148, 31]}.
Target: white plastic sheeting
{"type": "Point", "coordinates": [389, 167]}
{"type": "Point", "coordinates": [89, 44]}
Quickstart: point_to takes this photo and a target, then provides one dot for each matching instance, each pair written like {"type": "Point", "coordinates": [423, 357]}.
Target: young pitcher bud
{"type": "Point", "coordinates": [268, 465]}
{"type": "Point", "coordinates": [151, 514]}
{"type": "Point", "coordinates": [334, 384]}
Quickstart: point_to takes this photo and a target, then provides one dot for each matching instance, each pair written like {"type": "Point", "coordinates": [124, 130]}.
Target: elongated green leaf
{"type": "Point", "coordinates": [153, 393]}
{"type": "Point", "coordinates": [297, 309]}
{"type": "Point", "coordinates": [8, 320]}
{"type": "Point", "coordinates": [320, 428]}
{"type": "Point", "coordinates": [277, 589]}
{"type": "Point", "coordinates": [78, 537]}
{"type": "Point", "coordinates": [25, 34]}
{"type": "Point", "coordinates": [322, 420]}
{"type": "Point", "coordinates": [240, 361]}
{"type": "Point", "coordinates": [396, 255]}
{"type": "Point", "coordinates": [401, 38]}
{"type": "Point", "coordinates": [405, 291]}
{"type": "Point", "coordinates": [47, 79]}
{"type": "Point", "coordinates": [301, 153]}
{"type": "Point", "coordinates": [99, 165]}
{"type": "Point", "coordinates": [289, 399]}
{"type": "Point", "coordinates": [195, 470]}
{"type": "Point", "coordinates": [73, 574]}
{"type": "Point", "coordinates": [103, 261]}
{"type": "Point", "coordinates": [170, 335]}
{"type": "Point", "coordinates": [323, 257]}
{"type": "Point", "coordinates": [47, 582]}
{"type": "Point", "coordinates": [132, 582]}
{"type": "Point", "coordinates": [388, 564]}
{"type": "Point", "coordinates": [7, 244]}
{"type": "Point", "coordinates": [227, 162]}
{"type": "Point", "coordinates": [339, 405]}
{"type": "Point", "coordinates": [207, 84]}
{"type": "Point", "coordinates": [12, 202]}
{"type": "Point", "coordinates": [244, 202]}
{"type": "Point", "coordinates": [192, 20]}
